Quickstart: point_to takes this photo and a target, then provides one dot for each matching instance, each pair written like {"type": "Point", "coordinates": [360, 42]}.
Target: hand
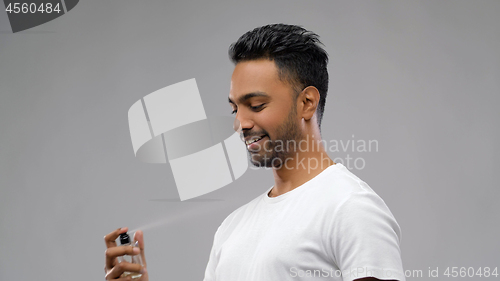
{"type": "Point", "coordinates": [113, 268]}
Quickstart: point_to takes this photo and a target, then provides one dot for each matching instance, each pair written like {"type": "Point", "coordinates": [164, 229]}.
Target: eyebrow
{"type": "Point", "coordinates": [249, 96]}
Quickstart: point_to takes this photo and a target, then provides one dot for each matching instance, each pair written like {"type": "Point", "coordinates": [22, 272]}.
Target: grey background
{"type": "Point", "coordinates": [420, 77]}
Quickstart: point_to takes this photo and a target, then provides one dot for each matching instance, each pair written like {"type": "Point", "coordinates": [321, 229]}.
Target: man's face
{"type": "Point", "coordinates": [265, 109]}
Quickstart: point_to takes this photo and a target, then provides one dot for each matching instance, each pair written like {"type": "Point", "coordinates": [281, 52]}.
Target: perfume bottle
{"type": "Point", "coordinates": [125, 241]}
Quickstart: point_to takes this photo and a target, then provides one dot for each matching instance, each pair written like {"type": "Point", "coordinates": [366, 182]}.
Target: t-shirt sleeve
{"type": "Point", "coordinates": [212, 261]}
{"type": "Point", "coordinates": [365, 239]}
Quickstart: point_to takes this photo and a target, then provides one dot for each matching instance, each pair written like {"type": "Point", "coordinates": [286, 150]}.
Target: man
{"type": "Point", "coordinates": [319, 221]}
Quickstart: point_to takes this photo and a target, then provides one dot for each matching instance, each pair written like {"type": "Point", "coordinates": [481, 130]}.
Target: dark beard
{"type": "Point", "coordinates": [276, 152]}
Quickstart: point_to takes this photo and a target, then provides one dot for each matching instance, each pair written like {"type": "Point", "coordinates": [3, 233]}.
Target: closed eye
{"type": "Point", "coordinates": [255, 108]}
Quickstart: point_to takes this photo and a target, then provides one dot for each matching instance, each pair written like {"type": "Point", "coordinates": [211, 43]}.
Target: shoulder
{"type": "Point", "coordinates": [362, 231]}
{"type": "Point", "coordinates": [358, 202]}
{"type": "Point", "coordinates": [367, 211]}
{"type": "Point", "coordinates": [341, 186]}
{"type": "Point", "coordinates": [352, 205]}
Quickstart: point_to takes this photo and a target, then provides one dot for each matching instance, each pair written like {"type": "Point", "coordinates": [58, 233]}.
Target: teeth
{"type": "Point", "coordinates": [253, 140]}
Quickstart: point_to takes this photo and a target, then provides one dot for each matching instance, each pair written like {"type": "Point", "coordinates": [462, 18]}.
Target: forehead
{"type": "Point", "coordinates": [257, 76]}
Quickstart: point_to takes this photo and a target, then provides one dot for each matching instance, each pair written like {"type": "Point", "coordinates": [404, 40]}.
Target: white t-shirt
{"type": "Point", "coordinates": [333, 227]}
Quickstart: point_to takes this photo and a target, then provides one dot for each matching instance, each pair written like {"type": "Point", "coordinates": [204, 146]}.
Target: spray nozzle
{"type": "Point", "coordinates": [124, 239]}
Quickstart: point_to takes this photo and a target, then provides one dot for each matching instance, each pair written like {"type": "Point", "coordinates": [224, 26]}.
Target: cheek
{"type": "Point", "coordinates": [271, 121]}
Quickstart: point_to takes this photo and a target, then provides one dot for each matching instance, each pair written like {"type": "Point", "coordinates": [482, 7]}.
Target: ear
{"type": "Point", "coordinates": [309, 99]}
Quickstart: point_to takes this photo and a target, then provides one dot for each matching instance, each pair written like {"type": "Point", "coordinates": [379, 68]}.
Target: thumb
{"type": "Point", "coordinates": [139, 237]}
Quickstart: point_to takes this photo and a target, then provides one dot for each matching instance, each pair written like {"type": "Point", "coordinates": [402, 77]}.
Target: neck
{"type": "Point", "coordinates": [301, 167]}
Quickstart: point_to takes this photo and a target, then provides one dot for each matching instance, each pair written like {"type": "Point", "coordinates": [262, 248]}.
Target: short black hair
{"type": "Point", "coordinates": [297, 53]}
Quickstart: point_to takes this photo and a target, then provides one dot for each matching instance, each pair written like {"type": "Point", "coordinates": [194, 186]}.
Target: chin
{"type": "Point", "coordinates": [265, 161]}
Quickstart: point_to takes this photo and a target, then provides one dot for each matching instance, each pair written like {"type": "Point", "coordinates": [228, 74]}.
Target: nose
{"type": "Point", "coordinates": [241, 123]}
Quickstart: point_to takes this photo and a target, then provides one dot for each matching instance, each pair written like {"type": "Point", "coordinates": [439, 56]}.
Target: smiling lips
{"type": "Point", "coordinates": [250, 141]}
{"type": "Point", "coordinates": [253, 142]}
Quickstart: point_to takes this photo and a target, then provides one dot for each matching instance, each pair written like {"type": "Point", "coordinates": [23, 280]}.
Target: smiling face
{"type": "Point", "coordinates": [265, 108]}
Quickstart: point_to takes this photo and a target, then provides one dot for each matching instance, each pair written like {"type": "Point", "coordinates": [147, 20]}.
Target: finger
{"type": "Point", "coordinates": [110, 238]}
{"type": "Point", "coordinates": [139, 237]}
{"type": "Point", "coordinates": [121, 267]}
{"type": "Point", "coordinates": [127, 278]}
{"type": "Point", "coordinates": [113, 252]}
